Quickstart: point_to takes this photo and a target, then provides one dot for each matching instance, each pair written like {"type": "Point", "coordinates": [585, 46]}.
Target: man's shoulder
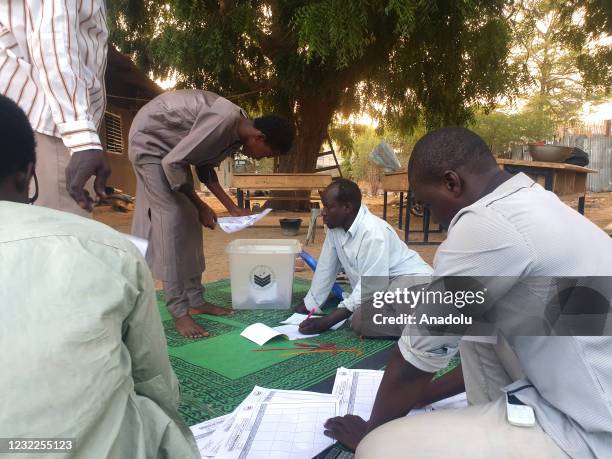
{"type": "Point", "coordinates": [23, 222]}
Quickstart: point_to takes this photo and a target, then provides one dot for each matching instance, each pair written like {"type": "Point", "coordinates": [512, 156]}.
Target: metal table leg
{"type": "Point", "coordinates": [401, 209]}
{"type": "Point", "coordinates": [385, 206]}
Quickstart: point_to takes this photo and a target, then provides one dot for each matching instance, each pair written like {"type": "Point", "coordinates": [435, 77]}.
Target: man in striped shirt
{"type": "Point", "coordinates": [52, 63]}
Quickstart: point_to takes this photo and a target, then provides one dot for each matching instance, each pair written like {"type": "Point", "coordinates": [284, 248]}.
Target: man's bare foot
{"type": "Point", "coordinates": [188, 327]}
{"type": "Point", "coordinates": [301, 309]}
{"type": "Point", "coordinates": [209, 308]}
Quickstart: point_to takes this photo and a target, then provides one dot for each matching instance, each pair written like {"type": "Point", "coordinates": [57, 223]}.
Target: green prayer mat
{"type": "Point", "coordinates": [216, 373]}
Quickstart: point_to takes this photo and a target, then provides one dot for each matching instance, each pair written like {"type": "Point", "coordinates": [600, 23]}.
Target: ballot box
{"type": "Point", "coordinates": [261, 272]}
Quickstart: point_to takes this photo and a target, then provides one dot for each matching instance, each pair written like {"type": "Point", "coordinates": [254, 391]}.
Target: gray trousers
{"type": "Point", "coordinates": [182, 295]}
{"type": "Point", "coordinates": [479, 431]}
{"type": "Point", "coordinates": [52, 157]}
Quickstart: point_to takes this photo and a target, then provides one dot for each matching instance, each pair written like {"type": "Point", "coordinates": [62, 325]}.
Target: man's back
{"type": "Point", "coordinates": [522, 231]}
{"type": "Point", "coordinates": [81, 337]}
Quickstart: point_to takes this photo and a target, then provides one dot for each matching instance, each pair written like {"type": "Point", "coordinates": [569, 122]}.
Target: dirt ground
{"type": "Point", "coordinates": [598, 209]}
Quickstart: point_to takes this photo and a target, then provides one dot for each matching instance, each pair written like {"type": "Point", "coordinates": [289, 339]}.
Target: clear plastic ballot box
{"type": "Point", "coordinates": [261, 272]}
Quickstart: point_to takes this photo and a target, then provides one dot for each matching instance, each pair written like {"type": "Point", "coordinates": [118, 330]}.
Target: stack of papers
{"type": "Point", "coordinates": [356, 391]}
{"type": "Point", "coordinates": [273, 423]}
{"type": "Point", "coordinates": [234, 224]}
{"type": "Point", "coordinates": [270, 423]}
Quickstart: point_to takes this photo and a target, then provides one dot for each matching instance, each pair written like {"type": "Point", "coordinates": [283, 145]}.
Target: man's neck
{"type": "Point", "coordinates": [347, 225]}
{"type": "Point", "coordinates": [245, 129]}
{"type": "Point", "coordinates": [495, 179]}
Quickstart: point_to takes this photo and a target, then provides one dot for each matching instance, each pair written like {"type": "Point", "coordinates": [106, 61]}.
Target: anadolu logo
{"type": "Point", "coordinates": [262, 276]}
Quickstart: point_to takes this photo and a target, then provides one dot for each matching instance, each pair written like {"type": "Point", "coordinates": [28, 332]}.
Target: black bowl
{"type": "Point", "coordinates": [290, 226]}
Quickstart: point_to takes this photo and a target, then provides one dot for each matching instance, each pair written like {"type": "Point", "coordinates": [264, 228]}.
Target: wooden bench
{"type": "Point", "coordinates": [277, 182]}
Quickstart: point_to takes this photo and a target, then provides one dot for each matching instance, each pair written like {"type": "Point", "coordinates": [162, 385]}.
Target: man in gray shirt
{"type": "Point", "coordinates": [505, 226]}
{"type": "Point", "coordinates": [173, 132]}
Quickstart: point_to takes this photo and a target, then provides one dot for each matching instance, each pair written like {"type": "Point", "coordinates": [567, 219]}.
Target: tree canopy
{"type": "Point", "coordinates": [406, 61]}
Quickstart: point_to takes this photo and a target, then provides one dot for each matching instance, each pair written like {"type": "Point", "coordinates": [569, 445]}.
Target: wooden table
{"type": "Point", "coordinates": [277, 182]}
{"type": "Point", "coordinates": [398, 182]}
{"type": "Point", "coordinates": [565, 180]}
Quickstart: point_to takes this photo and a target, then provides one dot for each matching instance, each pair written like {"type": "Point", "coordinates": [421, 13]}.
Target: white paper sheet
{"type": "Point", "coordinates": [204, 433]}
{"type": "Point", "coordinates": [297, 319]}
{"type": "Point", "coordinates": [261, 333]}
{"type": "Point", "coordinates": [293, 332]}
{"type": "Point", "coordinates": [234, 224]}
{"type": "Point", "coordinates": [356, 391]}
{"type": "Point", "coordinates": [276, 429]}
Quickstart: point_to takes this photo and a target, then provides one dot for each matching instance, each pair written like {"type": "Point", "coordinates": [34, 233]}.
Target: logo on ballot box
{"type": "Point", "coordinates": [261, 276]}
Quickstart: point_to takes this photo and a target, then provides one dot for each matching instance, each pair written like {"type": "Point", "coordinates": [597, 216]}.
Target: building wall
{"type": "Point", "coordinates": [122, 176]}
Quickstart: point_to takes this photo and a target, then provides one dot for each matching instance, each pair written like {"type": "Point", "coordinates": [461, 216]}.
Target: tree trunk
{"type": "Point", "coordinates": [313, 118]}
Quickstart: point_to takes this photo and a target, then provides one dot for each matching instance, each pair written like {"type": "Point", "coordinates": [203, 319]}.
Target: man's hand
{"type": "Point", "coordinates": [208, 217]}
{"type": "Point", "coordinates": [348, 430]}
{"type": "Point", "coordinates": [83, 165]}
{"type": "Point", "coordinates": [315, 325]}
{"type": "Point", "coordinates": [238, 212]}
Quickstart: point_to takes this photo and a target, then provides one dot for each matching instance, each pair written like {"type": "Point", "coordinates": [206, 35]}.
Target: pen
{"type": "Point", "coordinates": [311, 313]}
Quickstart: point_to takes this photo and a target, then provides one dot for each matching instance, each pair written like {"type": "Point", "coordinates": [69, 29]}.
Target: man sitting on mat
{"type": "Point", "coordinates": [362, 244]}
{"type": "Point", "coordinates": [82, 348]}
{"type": "Point", "coordinates": [530, 396]}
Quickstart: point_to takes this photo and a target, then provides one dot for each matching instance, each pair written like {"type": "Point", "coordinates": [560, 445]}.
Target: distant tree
{"type": "Point", "coordinates": [564, 65]}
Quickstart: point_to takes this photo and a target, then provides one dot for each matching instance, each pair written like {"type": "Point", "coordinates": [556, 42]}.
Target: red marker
{"type": "Point", "coordinates": [311, 313]}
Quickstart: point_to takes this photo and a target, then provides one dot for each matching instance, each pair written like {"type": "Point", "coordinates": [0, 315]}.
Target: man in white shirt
{"type": "Point", "coordinates": [362, 244]}
{"type": "Point", "coordinates": [515, 233]}
{"type": "Point", "coordinates": [52, 64]}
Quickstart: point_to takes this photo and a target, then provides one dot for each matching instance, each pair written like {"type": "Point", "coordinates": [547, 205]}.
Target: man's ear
{"type": "Point", "coordinates": [453, 183]}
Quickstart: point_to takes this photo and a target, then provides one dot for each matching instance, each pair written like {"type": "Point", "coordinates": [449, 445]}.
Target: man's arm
{"type": "Point", "coordinates": [54, 50]}
{"type": "Point", "coordinates": [207, 216]}
{"type": "Point", "coordinates": [324, 277]}
{"type": "Point", "coordinates": [402, 387]}
{"type": "Point", "coordinates": [208, 176]}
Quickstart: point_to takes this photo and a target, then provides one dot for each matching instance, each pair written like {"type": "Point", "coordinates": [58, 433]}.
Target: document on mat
{"type": "Point", "coordinates": [209, 446]}
{"type": "Point", "coordinates": [234, 224]}
{"type": "Point", "coordinates": [260, 333]}
{"type": "Point", "coordinates": [204, 434]}
{"type": "Point", "coordinates": [356, 391]}
{"type": "Point", "coordinates": [279, 429]}
{"type": "Point", "coordinates": [297, 319]}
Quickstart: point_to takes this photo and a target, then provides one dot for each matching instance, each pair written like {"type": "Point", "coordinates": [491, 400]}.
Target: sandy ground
{"type": "Point", "coordinates": [598, 209]}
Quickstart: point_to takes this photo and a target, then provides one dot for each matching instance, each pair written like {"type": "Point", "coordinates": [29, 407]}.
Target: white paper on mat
{"type": "Point", "coordinates": [280, 430]}
{"type": "Point", "coordinates": [141, 244]}
{"type": "Point", "coordinates": [234, 224]}
{"type": "Point", "coordinates": [204, 432]}
{"type": "Point", "coordinates": [209, 446]}
{"type": "Point", "coordinates": [356, 391]}
{"type": "Point", "coordinates": [297, 319]}
{"type": "Point", "coordinates": [293, 332]}
{"type": "Point", "coordinates": [260, 333]}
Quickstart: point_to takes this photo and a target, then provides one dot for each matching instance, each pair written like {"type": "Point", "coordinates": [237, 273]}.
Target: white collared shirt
{"type": "Point", "coordinates": [52, 64]}
{"type": "Point", "coordinates": [523, 233]}
{"type": "Point", "coordinates": [370, 247]}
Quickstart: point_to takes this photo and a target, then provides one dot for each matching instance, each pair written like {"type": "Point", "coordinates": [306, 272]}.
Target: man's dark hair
{"type": "Point", "coordinates": [449, 149]}
{"type": "Point", "coordinates": [348, 192]}
{"type": "Point", "coordinates": [278, 131]}
{"type": "Point", "coordinates": [18, 147]}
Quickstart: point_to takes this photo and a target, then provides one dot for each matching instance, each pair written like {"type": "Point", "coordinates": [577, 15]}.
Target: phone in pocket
{"type": "Point", "coordinates": [518, 413]}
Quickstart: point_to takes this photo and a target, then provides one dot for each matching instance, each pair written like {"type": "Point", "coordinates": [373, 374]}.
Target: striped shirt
{"type": "Point", "coordinates": [52, 63]}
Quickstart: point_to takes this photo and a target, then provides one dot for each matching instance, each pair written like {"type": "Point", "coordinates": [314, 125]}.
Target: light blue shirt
{"type": "Point", "coordinates": [370, 247]}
